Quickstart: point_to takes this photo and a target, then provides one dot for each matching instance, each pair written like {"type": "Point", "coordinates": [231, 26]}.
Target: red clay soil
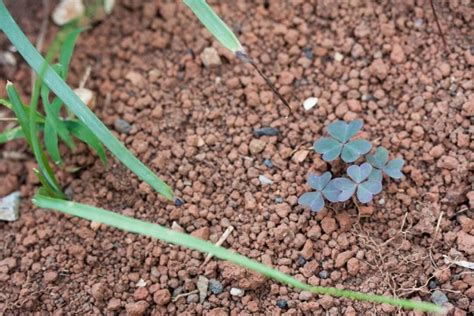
{"type": "Point", "coordinates": [194, 126]}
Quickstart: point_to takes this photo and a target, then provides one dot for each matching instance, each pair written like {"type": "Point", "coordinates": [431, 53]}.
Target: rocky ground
{"type": "Point", "coordinates": [189, 110]}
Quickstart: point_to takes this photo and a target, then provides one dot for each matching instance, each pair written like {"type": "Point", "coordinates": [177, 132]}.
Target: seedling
{"type": "Point", "coordinates": [364, 181]}
{"type": "Point", "coordinates": [340, 143]}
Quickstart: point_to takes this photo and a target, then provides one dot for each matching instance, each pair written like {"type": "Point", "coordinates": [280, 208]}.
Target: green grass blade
{"type": "Point", "coordinates": [51, 142]}
{"type": "Point", "coordinates": [52, 118]}
{"type": "Point", "coordinates": [83, 133]}
{"type": "Point", "coordinates": [133, 225]}
{"type": "Point", "coordinates": [67, 49]}
{"type": "Point", "coordinates": [8, 105]}
{"type": "Point", "coordinates": [19, 110]}
{"type": "Point", "coordinates": [214, 24]}
{"type": "Point", "coordinates": [43, 164]}
{"type": "Point", "coordinates": [11, 134]}
{"type": "Point", "coordinates": [72, 101]}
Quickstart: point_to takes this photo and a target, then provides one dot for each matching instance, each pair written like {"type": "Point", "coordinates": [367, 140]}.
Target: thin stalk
{"type": "Point", "coordinates": [133, 225]}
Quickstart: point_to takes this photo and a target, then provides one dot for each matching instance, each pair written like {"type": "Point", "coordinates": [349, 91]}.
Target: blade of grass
{"type": "Point", "coordinates": [51, 142]}
{"type": "Point", "coordinates": [8, 105]}
{"type": "Point", "coordinates": [11, 134]}
{"type": "Point", "coordinates": [72, 101]}
{"type": "Point", "coordinates": [67, 49]}
{"type": "Point", "coordinates": [19, 110]}
{"type": "Point", "coordinates": [83, 133]}
{"type": "Point", "coordinates": [52, 118]}
{"type": "Point", "coordinates": [43, 164]}
{"type": "Point", "coordinates": [133, 225]}
{"type": "Point", "coordinates": [214, 24]}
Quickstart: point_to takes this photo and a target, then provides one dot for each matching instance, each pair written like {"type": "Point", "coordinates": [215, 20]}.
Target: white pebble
{"type": "Point", "coordinates": [338, 57]}
{"type": "Point", "coordinates": [264, 180]}
{"type": "Point", "coordinates": [236, 292]}
{"type": "Point", "coordinates": [310, 103]}
{"type": "Point", "coordinates": [10, 207]}
{"type": "Point", "coordinates": [86, 96]}
{"type": "Point", "coordinates": [67, 11]}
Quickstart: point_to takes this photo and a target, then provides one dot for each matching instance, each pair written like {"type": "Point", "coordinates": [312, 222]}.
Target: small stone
{"type": "Point", "coordinates": [266, 131]}
{"type": "Point", "coordinates": [439, 298]}
{"type": "Point", "coordinates": [50, 276]}
{"type": "Point", "coordinates": [7, 58]}
{"type": "Point", "coordinates": [122, 126]}
{"type": "Point", "coordinates": [338, 57]}
{"type": "Point", "coordinates": [398, 55]}
{"type": "Point", "coordinates": [109, 6]}
{"type": "Point", "coordinates": [465, 242]}
{"type": "Point", "coordinates": [264, 180]}
{"type": "Point", "coordinates": [95, 226]}
{"type": "Point", "coordinates": [137, 309]}
{"type": "Point", "coordinates": [468, 108]}
{"type": "Point", "coordinates": [366, 211]}
{"type": "Point", "coordinates": [305, 295]}
{"type": "Point", "coordinates": [202, 285]}
{"type": "Point", "coordinates": [437, 151]}
{"type": "Point", "coordinates": [67, 11]}
{"type": "Point", "coordinates": [282, 210]}
{"type": "Point", "coordinates": [286, 78]}
{"type": "Point", "coordinates": [193, 298]}
{"type": "Point", "coordinates": [328, 224]}
{"type": "Point", "coordinates": [278, 199]}
{"type": "Point", "coordinates": [308, 53]}
{"type": "Point", "coordinates": [353, 266]}
{"type": "Point", "coordinates": [114, 304]}
{"type": "Point", "coordinates": [268, 163]}
{"type": "Point", "coordinates": [98, 291]}
{"type": "Point", "coordinates": [300, 156]}
{"type": "Point", "coordinates": [202, 233]}
{"type": "Point", "coordinates": [135, 78]}
{"type": "Point", "coordinates": [256, 146]}
{"type": "Point", "coordinates": [10, 207]}
{"type": "Point", "coordinates": [342, 258]}
{"type": "Point", "coordinates": [140, 293]}
{"type": "Point", "coordinates": [470, 197]}
{"type": "Point", "coordinates": [448, 162]}
{"type": "Point", "coordinates": [162, 297]}
{"type": "Point", "coordinates": [141, 283]}
{"type": "Point", "coordinates": [236, 292]}
{"type": "Point", "coordinates": [324, 274]}
{"type": "Point", "coordinates": [210, 57]}
{"type": "Point", "coordinates": [379, 69]}
{"type": "Point", "coordinates": [176, 227]}
{"type": "Point", "coordinates": [178, 202]}
{"type": "Point", "coordinates": [215, 286]}
{"type": "Point", "coordinates": [282, 303]}
{"type": "Point", "coordinates": [310, 103]}
{"type": "Point", "coordinates": [307, 250]}
{"type": "Point", "coordinates": [86, 96]}
{"type": "Point", "coordinates": [432, 284]}
{"type": "Point", "coordinates": [300, 261]}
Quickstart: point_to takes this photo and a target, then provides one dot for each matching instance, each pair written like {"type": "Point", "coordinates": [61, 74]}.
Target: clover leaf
{"type": "Point", "coordinates": [340, 144]}
{"type": "Point", "coordinates": [324, 189]}
{"type": "Point", "coordinates": [381, 164]}
{"type": "Point", "coordinates": [358, 183]}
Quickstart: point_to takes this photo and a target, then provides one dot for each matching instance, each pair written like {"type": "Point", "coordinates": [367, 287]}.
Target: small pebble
{"type": "Point", "coordinates": [418, 23]}
{"type": "Point", "coordinates": [236, 292]}
{"type": "Point", "coordinates": [264, 180]}
{"type": "Point", "coordinates": [10, 207]}
{"type": "Point", "coordinates": [338, 57]}
{"type": "Point", "coordinates": [268, 163]}
{"type": "Point", "coordinates": [193, 298]}
{"type": "Point", "coordinates": [308, 53]}
{"type": "Point", "coordinates": [278, 199]}
{"type": "Point", "coordinates": [282, 303]}
{"type": "Point", "coordinates": [177, 291]}
{"type": "Point", "coordinates": [301, 261]}
{"type": "Point", "coordinates": [266, 131]}
{"type": "Point", "coordinates": [215, 286]}
{"type": "Point", "coordinates": [382, 202]}
{"type": "Point", "coordinates": [439, 298]}
{"type": "Point", "coordinates": [432, 284]}
{"type": "Point", "coordinates": [310, 103]}
{"type": "Point", "coordinates": [324, 274]}
{"type": "Point", "coordinates": [178, 202]}
{"type": "Point", "coordinates": [122, 126]}
{"type": "Point", "coordinates": [67, 11]}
